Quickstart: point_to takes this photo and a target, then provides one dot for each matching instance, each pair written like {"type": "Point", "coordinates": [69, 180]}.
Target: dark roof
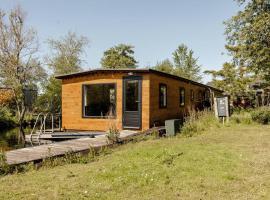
{"type": "Point", "coordinates": [94, 71]}
{"type": "Point", "coordinates": [5, 88]}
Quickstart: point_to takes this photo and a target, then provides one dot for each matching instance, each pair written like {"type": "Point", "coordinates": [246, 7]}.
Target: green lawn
{"type": "Point", "coordinates": [225, 163]}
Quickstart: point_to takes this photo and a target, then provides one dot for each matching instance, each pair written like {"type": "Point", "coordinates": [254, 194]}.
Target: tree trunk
{"type": "Point", "coordinates": [21, 138]}
{"type": "Point", "coordinates": [21, 130]}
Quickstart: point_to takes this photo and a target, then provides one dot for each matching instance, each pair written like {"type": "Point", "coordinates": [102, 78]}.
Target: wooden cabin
{"type": "Point", "coordinates": [128, 98]}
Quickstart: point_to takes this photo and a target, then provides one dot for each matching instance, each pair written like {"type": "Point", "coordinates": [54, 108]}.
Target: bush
{"type": "Point", "coordinates": [261, 115]}
{"type": "Point", "coordinates": [7, 120]}
{"type": "Point", "coordinates": [241, 117]}
{"type": "Point", "coordinates": [113, 134]}
{"type": "Point", "coordinates": [198, 122]}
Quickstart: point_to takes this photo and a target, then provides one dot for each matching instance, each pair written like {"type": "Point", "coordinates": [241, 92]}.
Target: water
{"type": "Point", "coordinates": [9, 139]}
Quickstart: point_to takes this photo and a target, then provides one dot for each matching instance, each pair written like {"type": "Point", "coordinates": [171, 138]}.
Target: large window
{"type": "Point", "coordinates": [162, 95]}
{"type": "Point", "coordinates": [99, 100]}
{"type": "Point", "coordinates": [182, 96]}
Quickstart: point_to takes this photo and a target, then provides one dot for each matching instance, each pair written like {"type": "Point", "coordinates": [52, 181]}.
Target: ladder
{"type": "Point", "coordinates": [42, 119]}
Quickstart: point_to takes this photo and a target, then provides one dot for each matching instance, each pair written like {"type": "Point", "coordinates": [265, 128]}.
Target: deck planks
{"type": "Point", "coordinates": [30, 154]}
{"type": "Point", "coordinates": [38, 153]}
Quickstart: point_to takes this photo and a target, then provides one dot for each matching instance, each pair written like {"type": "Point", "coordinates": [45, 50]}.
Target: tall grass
{"type": "Point", "coordinates": [241, 117]}
{"type": "Point", "coordinates": [261, 115]}
{"type": "Point", "coordinates": [198, 122]}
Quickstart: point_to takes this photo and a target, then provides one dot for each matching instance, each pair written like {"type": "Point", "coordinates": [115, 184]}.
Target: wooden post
{"type": "Point", "coordinates": [215, 107]}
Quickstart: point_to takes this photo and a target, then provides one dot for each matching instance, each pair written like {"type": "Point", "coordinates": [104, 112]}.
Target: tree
{"type": "Point", "coordinates": [19, 67]}
{"type": "Point", "coordinates": [185, 64]}
{"type": "Point", "coordinates": [231, 79]}
{"type": "Point", "coordinates": [248, 36]}
{"type": "Point", "coordinates": [120, 56]}
{"type": "Point", "coordinates": [6, 96]}
{"type": "Point", "coordinates": [65, 58]}
{"type": "Point", "coordinates": [165, 66]}
{"type": "Point", "coordinates": [66, 53]}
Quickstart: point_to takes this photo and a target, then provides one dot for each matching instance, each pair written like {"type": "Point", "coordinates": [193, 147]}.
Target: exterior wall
{"type": "Point", "coordinates": [173, 109]}
{"type": "Point", "coordinates": [72, 117]}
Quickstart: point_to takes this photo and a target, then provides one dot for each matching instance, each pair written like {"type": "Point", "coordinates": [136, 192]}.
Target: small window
{"type": "Point", "coordinates": [99, 100]}
{"type": "Point", "coordinates": [162, 95]}
{"type": "Point", "coordinates": [182, 96]}
{"type": "Point", "coordinates": [200, 96]}
{"type": "Point", "coordinates": [207, 95]}
{"type": "Point", "coordinates": [191, 95]}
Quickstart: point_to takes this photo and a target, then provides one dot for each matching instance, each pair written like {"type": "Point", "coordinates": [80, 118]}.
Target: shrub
{"type": "Point", "coordinates": [241, 117]}
{"type": "Point", "coordinates": [261, 115]}
{"type": "Point", "coordinates": [7, 120]}
{"type": "Point", "coordinates": [113, 134]}
{"type": "Point", "coordinates": [198, 122]}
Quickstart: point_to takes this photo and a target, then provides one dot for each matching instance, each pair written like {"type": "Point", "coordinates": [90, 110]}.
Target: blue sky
{"type": "Point", "coordinates": [154, 27]}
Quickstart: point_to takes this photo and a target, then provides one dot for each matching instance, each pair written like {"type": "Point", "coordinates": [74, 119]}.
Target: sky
{"type": "Point", "coordinates": [154, 27]}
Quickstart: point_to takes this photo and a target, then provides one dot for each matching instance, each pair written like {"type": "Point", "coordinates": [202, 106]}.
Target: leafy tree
{"type": "Point", "coordinates": [65, 58]}
{"type": "Point", "coordinates": [66, 53]}
{"type": "Point", "coordinates": [231, 79]}
{"type": "Point", "coordinates": [19, 67]}
{"type": "Point", "coordinates": [184, 64]}
{"type": "Point", "coordinates": [6, 96]}
{"type": "Point", "coordinates": [120, 56]}
{"type": "Point", "coordinates": [248, 36]}
{"type": "Point", "coordinates": [165, 66]}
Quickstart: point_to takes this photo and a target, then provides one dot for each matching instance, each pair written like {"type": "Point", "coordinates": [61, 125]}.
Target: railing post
{"type": "Point", "coordinates": [59, 121]}
{"type": "Point", "coordinates": [52, 124]}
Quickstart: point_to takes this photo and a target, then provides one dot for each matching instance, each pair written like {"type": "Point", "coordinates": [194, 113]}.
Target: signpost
{"type": "Point", "coordinates": [222, 108]}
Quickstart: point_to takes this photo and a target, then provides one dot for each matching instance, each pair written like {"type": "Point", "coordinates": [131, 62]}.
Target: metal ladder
{"type": "Point", "coordinates": [42, 118]}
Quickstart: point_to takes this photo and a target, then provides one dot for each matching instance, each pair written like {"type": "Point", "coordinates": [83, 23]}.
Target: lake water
{"type": "Point", "coordinates": [9, 139]}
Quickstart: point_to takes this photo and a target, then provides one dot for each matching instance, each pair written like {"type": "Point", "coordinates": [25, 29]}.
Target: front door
{"type": "Point", "coordinates": [132, 106]}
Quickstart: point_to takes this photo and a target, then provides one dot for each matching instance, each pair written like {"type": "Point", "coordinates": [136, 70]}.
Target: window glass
{"type": "Point", "coordinates": [191, 95]}
{"type": "Point", "coordinates": [162, 96]}
{"type": "Point", "coordinates": [132, 95]}
{"type": "Point", "coordinates": [99, 100]}
{"type": "Point", "coordinates": [207, 95]}
{"type": "Point", "coordinates": [182, 97]}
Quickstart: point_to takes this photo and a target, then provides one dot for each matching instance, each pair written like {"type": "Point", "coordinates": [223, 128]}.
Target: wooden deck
{"type": "Point", "coordinates": [38, 153]}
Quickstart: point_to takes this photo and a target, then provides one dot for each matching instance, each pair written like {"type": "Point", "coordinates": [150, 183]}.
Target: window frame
{"type": "Point", "coordinates": [192, 96]}
{"type": "Point", "coordinates": [159, 95]}
{"type": "Point", "coordinates": [83, 102]}
{"type": "Point", "coordinates": [180, 96]}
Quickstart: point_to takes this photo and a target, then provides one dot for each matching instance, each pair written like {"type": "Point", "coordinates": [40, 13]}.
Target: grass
{"type": "Point", "coordinates": [232, 162]}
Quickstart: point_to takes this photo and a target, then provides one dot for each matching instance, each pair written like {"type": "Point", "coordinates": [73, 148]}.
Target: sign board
{"type": "Point", "coordinates": [222, 104]}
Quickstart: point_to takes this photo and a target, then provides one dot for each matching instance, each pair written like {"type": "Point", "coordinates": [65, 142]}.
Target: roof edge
{"type": "Point", "coordinates": [126, 70]}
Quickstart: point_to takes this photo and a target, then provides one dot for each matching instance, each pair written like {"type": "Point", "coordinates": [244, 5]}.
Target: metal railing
{"type": "Point", "coordinates": [42, 118]}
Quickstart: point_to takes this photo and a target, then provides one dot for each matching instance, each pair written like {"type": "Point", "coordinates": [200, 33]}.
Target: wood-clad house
{"type": "Point", "coordinates": [128, 98]}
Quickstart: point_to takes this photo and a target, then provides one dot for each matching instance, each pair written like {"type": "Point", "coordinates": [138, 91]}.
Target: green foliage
{"type": "Point", "coordinates": [7, 118]}
{"type": "Point", "coordinates": [113, 134]}
{"type": "Point", "coordinates": [72, 158]}
{"type": "Point", "coordinates": [241, 117]}
{"type": "Point", "coordinates": [20, 68]}
{"type": "Point", "coordinates": [231, 79]}
{"type": "Point", "coordinates": [66, 53]}
{"type": "Point", "coordinates": [120, 56]}
{"type": "Point", "coordinates": [4, 168]}
{"type": "Point", "coordinates": [184, 64]}
{"type": "Point", "coordinates": [248, 36]}
{"type": "Point", "coordinates": [198, 122]}
{"type": "Point", "coordinates": [65, 58]}
{"type": "Point", "coordinates": [261, 115]}
{"type": "Point", "coordinates": [165, 66]}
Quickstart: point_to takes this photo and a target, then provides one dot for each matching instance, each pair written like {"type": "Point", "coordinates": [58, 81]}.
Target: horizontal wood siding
{"type": "Point", "coordinates": [173, 109]}
{"type": "Point", "coordinates": [72, 102]}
